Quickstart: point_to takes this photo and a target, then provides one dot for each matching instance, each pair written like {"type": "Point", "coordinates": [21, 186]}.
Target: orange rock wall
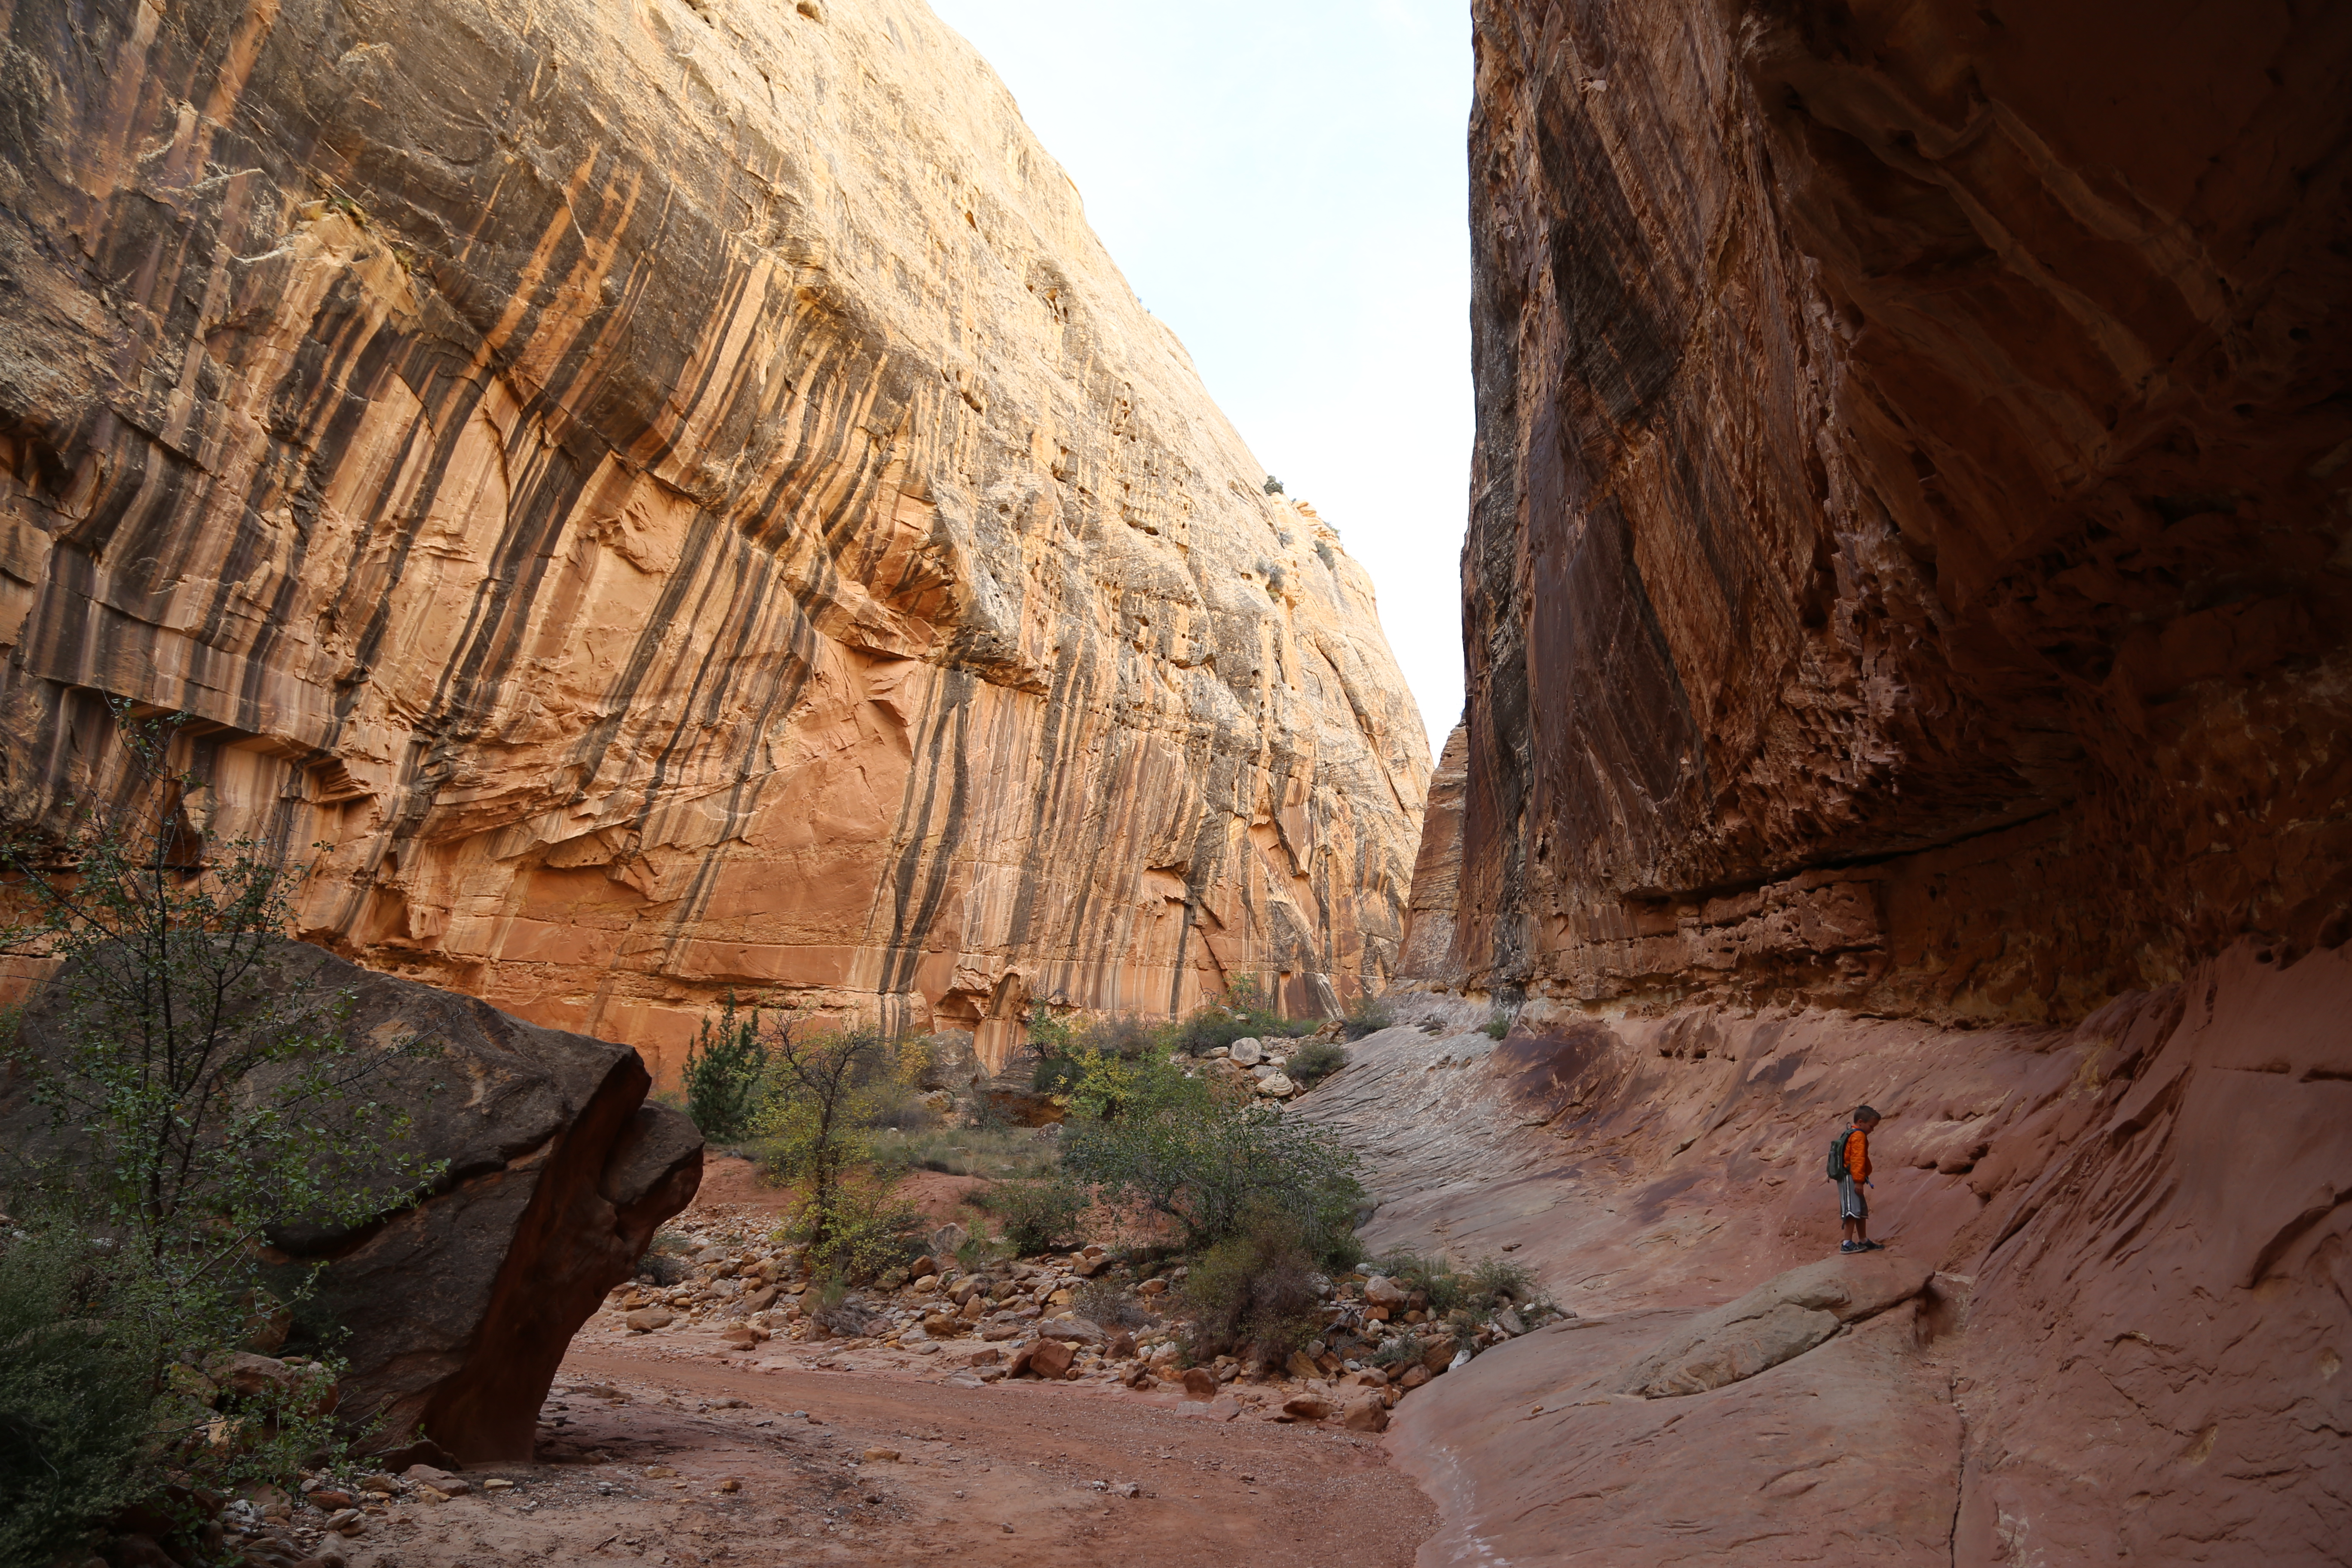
{"type": "Point", "coordinates": [1908, 561]}
{"type": "Point", "coordinates": [674, 497]}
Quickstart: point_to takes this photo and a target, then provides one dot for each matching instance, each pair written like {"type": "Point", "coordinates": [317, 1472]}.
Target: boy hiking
{"type": "Point", "coordinates": [1850, 1168]}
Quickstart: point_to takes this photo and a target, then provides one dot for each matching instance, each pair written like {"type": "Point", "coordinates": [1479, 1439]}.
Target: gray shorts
{"type": "Point", "coordinates": [1852, 1204]}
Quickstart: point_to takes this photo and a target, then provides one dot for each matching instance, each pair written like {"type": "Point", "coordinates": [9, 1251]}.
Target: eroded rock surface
{"type": "Point", "coordinates": [1908, 567]}
{"type": "Point", "coordinates": [2133, 1333]}
{"type": "Point", "coordinates": [1778, 1321]}
{"type": "Point", "coordinates": [675, 497]}
{"type": "Point", "coordinates": [460, 1306]}
{"type": "Point", "coordinates": [1907, 599]}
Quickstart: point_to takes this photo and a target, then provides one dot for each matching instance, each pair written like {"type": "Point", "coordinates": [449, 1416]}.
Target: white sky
{"type": "Point", "coordinates": [1283, 182]}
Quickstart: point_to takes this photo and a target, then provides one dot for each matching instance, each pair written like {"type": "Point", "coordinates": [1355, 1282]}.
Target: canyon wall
{"type": "Point", "coordinates": [1906, 602]}
{"type": "Point", "coordinates": [1908, 561]}
{"type": "Point", "coordinates": [671, 496]}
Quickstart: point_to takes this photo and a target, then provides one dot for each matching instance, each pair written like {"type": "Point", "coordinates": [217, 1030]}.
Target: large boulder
{"type": "Point", "coordinates": [459, 1307]}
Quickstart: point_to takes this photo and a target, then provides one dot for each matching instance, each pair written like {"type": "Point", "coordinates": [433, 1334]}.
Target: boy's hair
{"type": "Point", "coordinates": [1863, 1113]}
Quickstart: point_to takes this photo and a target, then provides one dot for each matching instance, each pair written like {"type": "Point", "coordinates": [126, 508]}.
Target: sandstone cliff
{"type": "Point", "coordinates": [673, 495]}
{"type": "Point", "coordinates": [1907, 566]}
{"type": "Point", "coordinates": [1907, 592]}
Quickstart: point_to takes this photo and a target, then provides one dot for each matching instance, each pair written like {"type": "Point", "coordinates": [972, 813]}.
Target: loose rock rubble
{"type": "Point", "coordinates": [1091, 1317]}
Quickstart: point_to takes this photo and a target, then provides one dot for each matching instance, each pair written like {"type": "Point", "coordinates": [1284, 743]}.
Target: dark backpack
{"type": "Point", "coordinates": [1837, 1155]}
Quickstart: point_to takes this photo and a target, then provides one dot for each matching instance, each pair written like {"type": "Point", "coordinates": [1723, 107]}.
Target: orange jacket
{"type": "Point", "coordinates": [1857, 1154]}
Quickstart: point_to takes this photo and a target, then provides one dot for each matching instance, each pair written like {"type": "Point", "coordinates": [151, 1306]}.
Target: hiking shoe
{"type": "Point", "coordinates": [1850, 1247]}
{"type": "Point", "coordinates": [1870, 1246]}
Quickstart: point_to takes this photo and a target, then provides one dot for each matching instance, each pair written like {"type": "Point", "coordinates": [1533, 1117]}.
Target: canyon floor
{"type": "Point", "coordinates": [679, 1448]}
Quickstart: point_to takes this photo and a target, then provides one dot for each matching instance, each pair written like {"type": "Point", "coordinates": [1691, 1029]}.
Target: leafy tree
{"type": "Point", "coordinates": [1209, 1162]}
{"type": "Point", "coordinates": [726, 1072]}
{"type": "Point", "coordinates": [826, 1090]}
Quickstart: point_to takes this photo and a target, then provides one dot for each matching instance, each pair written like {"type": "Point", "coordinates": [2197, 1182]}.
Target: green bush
{"type": "Point", "coordinates": [1252, 1293]}
{"type": "Point", "coordinates": [1210, 1164]}
{"type": "Point", "coordinates": [77, 1359]}
{"type": "Point", "coordinates": [1367, 1015]}
{"type": "Point", "coordinates": [1037, 1216]}
{"type": "Point", "coordinates": [726, 1072]}
{"type": "Point", "coordinates": [1470, 1297]}
{"type": "Point", "coordinates": [1245, 1013]}
{"type": "Point", "coordinates": [856, 1230]}
{"type": "Point", "coordinates": [1498, 1026]}
{"type": "Point", "coordinates": [1311, 1063]}
{"type": "Point", "coordinates": [826, 1092]}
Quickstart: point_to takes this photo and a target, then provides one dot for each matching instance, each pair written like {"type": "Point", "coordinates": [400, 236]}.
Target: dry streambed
{"type": "Point", "coordinates": [664, 1459]}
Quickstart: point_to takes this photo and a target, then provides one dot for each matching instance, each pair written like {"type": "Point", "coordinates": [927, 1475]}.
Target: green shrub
{"type": "Point", "coordinates": [1210, 1164]}
{"type": "Point", "coordinates": [1273, 486]}
{"type": "Point", "coordinates": [1466, 1298]}
{"type": "Point", "coordinates": [1498, 1026]}
{"type": "Point", "coordinates": [1252, 1293]}
{"type": "Point", "coordinates": [726, 1069]}
{"type": "Point", "coordinates": [826, 1091]}
{"type": "Point", "coordinates": [1037, 1216]}
{"type": "Point", "coordinates": [78, 1357]}
{"type": "Point", "coordinates": [1311, 1063]}
{"type": "Point", "coordinates": [857, 1230]}
{"type": "Point", "coordinates": [1367, 1015]}
{"type": "Point", "coordinates": [1245, 1013]}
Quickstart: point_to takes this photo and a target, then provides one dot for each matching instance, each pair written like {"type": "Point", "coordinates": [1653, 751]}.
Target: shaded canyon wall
{"type": "Point", "coordinates": [1906, 600]}
{"type": "Point", "coordinates": [674, 497]}
{"type": "Point", "coordinates": [1908, 562]}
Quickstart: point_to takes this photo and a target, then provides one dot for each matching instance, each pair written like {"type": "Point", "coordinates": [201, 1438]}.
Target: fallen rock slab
{"type": "Point", "coordinates": [458, 1307]}
{"type": "Point", "coordinates": [1774, 1323]}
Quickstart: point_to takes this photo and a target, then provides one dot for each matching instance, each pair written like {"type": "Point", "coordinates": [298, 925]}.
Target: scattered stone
{"type": "Point", "coordinates": [1200, 1383]}
{"type": "Point", "coordinates": [1366, 1413]}
{"type": "Point", "coordinates": [1246, 1052]}
{"type": "Point", "coordinates": [428, 1476]}
{"type": "Point", "coordinates": [646, 1320]}
{"type": "Point", "coordinates": [1382, 1292]}
{"type": "Point", "coordinates": [1439, 1353]}
{"type": "Point", "coordinates": [1298, 1365]}
{"type": "Point", "coordinates": [1415, 1376]}
{"type": "Point", "coordinates": [1307, 1406]}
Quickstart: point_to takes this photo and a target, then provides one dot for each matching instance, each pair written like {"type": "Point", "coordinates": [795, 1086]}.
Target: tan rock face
{"type": "Point", "coordinates": [676, 499]}
{"type": "Point", "coordinates": [1908, 563]}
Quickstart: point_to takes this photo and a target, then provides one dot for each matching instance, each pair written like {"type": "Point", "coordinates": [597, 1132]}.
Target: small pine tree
{"type": "Point", "coordinates": [1273, 486]}
{"type": "Point", "coordinates": [726, 1072]}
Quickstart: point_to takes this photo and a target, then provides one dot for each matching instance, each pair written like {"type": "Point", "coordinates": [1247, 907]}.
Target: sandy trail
{"type": "Point", "coordinates": [999, 1475]}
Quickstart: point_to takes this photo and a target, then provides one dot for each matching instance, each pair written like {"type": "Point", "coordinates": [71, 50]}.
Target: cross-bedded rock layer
{"type": "Point", "coordinates": [674, 497]}
{"type": "Point", "coordinates": [1907, 565]}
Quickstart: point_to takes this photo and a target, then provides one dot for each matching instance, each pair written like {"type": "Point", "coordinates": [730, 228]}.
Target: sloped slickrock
{"type": "Point", "coordinates": [458, 1307]}
{"type": "Point", "coordinates": [1847, 1454]}
{"type": "Point", "coordinates": [2140, 1229]}
{"type": "Point", "coordinates": [677, 498]}
{"type": "Point", "coordinates": [1908, 566]}
{"type": "Point", "coordinates": [1776, 1321]}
